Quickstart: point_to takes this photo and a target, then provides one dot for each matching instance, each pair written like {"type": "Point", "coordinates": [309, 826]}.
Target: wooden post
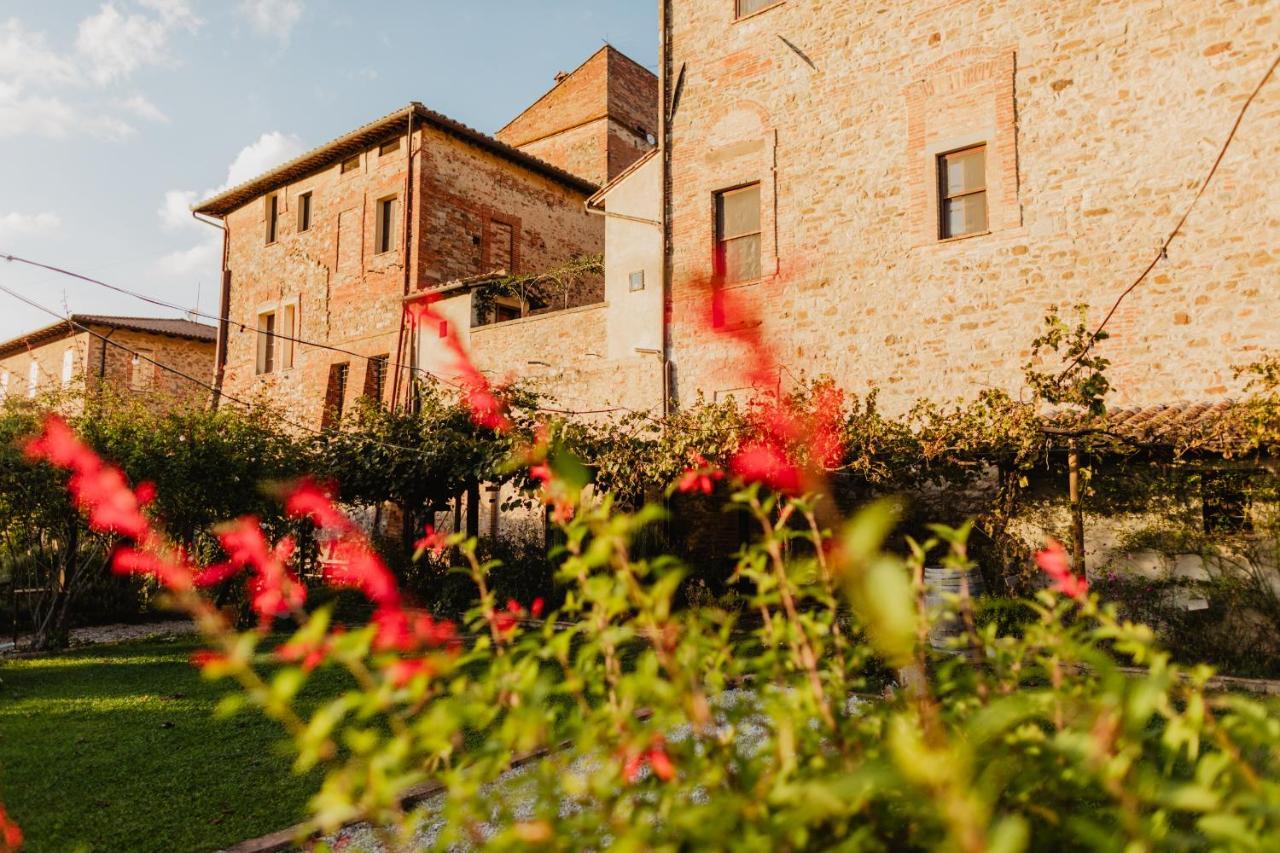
{"type": "Point", "coordinates": [1077, 510]}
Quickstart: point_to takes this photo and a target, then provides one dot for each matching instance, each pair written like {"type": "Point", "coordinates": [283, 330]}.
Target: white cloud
{"type": "Point", "coordinates": [28, 224]}
{"type": "Point", "coordinates": [202, 257]}
{"type": "Point", "coordinates": [268, 151]}
{"type": "Point", "coordinates": [22, 113]}
{"type": "Point", "coordinates": [24, 56]}
{"type": "Point", "coordinates": [140, 106]}
{"type": "Point", "coordinates": [271, 17]}
{"type": "Point", "coordinates": [114, 44]}
{"type": "Point", "coordinates": [175, 212]}
{"type": "Point", "coordinates": [263, 154]}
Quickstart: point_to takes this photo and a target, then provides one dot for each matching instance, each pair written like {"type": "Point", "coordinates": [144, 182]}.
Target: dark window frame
{"type": "Point", "coordinates": [335, 394]}
{"type": "Point", "coordinates": [273, 218]}
{"type": "Point", "coordinates": [945, 196]}
{"type": "Point", "coordinates": [266, 360]}
{"type": "Point", "coordinates": [304, 212]}
{"type": "Point", "coordinates": [385, 232]}
{"type": "Point", "coordinates": [720, 260]}
{"type": "Point", "coordinates": [351, 164]}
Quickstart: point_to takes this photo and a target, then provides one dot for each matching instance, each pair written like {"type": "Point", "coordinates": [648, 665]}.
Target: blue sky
{"type": "Point", "coordinates": [115, 115]}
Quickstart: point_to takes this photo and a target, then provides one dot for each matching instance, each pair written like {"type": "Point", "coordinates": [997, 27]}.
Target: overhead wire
{"type": "Point", "coordinates": [1163, 252]}
{"type": "Point", "coordinates": [76, 325]}
{"type": "Point", "coordinates": [398, 365]}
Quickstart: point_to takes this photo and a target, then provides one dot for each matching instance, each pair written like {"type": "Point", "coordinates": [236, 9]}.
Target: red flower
{"type": "Point", "coordinates": [661, 763]}
{"type": "Point", "coordinates": [700, 478]}
{"type": "Point", "coordinates": [274, 589]}
{"type": "Point", "coordinates": [205, 658]}
{"type": "Point", "coordinates": [309, 499]}
{"type": "Point", "coordinates": [401, 672]}
{"type": "Point", "coordinates": [655, 758]}
{"type": "Point", "coordinates": [171, 573]}
{"type": "Point", "coordinates": [434, 541]}
{"type": "Point", "coordinates": [1053, 562]}
{"type": "Point", "coordinates": [356, 565]}
{"type": "Point", "coordinates": [541, 472]}
{"type": "Point", "coordinates": [10, 833]}
{"type": "Point", "coordinates": [486, 409]}
{"type": "Point", "coordinates": [401, 630]}
{"type": "Point", "coordinates": [99, 490]}
{"type": "Point", "coordinates": [536, 607]}
{"type": "Point", "coordinates": [311, 654]}
{"type": "Point", "coordinates": [763, 463]}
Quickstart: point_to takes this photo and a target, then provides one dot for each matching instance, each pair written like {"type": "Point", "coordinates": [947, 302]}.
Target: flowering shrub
{"type": "Point", "coordinates": [656, 726]}
{"type": "Point", "coordinates": [623, 719]}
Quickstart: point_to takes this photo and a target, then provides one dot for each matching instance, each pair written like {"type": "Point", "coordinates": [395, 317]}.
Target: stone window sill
{"type": "Point", "coordinates": [959, 237]}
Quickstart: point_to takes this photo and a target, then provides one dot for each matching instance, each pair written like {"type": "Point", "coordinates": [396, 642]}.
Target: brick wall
{"type": "Point", "coordinates": [595, 121]}
{"type": "Point", "coordinates": [1099, 121]}
{"type": "Point", "coordinates": [115, 367]}
{"type": "Point", "coordinates": [473, 211]}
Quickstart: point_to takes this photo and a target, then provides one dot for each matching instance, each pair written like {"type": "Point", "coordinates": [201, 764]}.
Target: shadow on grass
{"type": "Point", "coordinates": [117, 748]}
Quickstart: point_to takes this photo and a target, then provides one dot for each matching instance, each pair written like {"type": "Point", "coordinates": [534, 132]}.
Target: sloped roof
{"type": "Point", "coordinates": [186, 329]}
{"type": "Point", "coordinates": [365, 137]}
{"type": "Point", "coordinates": [1185, 423]}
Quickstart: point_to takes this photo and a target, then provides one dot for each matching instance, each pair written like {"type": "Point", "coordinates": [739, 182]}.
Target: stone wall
{"type": "Point", "coordinates": [595, 121]}
{"type": "Point", "coordinates": [1099, 121]}
{"type": "Point", "coordinates": [95, 364]}
{"type": "Point", "coordinates": [472, 211]}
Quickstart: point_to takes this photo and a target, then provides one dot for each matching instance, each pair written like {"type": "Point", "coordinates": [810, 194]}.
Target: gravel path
{"type": "Point", "coordinates": [111, 634]}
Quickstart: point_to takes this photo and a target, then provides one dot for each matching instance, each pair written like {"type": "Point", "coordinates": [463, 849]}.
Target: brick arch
{"type": "Point", "coordinates": [739, 120]}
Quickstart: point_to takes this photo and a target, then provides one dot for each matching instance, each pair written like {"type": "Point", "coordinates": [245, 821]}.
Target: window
{"type": "Point", "coordinates": [273, 217]}
{"type": "Point", "coordinates": [385, 239]}
{"type": "Point", "coordinates": [68, 366]}
{"type": "Point", "coordinates": [747, 7]}
{"type": "Point", "coordinates": [142, 370]}
{"type": "Point", "coordinates": [304, 212]}
{"type": "Point", "coordinates": [351, 164]}
{"type": "Point", "coordinates": [389, 147]}
{"type": "Point", "coordinates": [502, 247]}
{"type": "Point", "coordinates": [506, 309]}
{"type": "Point", "coordinates": [637, 281]}
{"type": "Point", "coordinates": [1225, 499]}
{"type": "Point", "coordinates": [375, 377]}
{"type": "Point", "coordinates": [962, 192]}
{"type": "Point", "coordinates": [33, 378]}
{"type": "Point", "coordinates": [267, 342]}
{"type": "Point", "coordinates": [290, 331]}
{"type": "Point", "coordinates": [334, 395]}
{"type": "Point", "coordinates": [738, 234]}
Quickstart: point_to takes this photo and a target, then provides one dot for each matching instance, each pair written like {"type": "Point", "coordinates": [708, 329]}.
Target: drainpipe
{"type": "Point", "coordinates": [664, 142]}
{"type": "Point", "coordinates": [408, 247]}
{"type": "Point", "coordinates": [224, 310]}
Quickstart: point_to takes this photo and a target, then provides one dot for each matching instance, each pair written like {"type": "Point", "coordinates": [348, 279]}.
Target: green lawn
{"type": "Point", "coordinates": [116, 748]}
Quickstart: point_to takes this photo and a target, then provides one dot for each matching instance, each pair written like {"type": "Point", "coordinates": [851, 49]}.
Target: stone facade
{"type": "Point", "coordinates": [471, 210]}
{"type": "Point", "coordinates": [1099, 121]}
{"type": "Point", "coordinates": [595, 122]}
{"type": "Point", "coordinates": [75, 362]}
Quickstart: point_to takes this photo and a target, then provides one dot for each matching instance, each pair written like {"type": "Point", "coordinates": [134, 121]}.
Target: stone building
{"type": "Point", "coordinates": [595, 122]}
{"type": "Point", "coordinates": [326, 249]}
{"type": "Point", "coordinates": [154, 358]}
{"type": "Point", "coordinates": [895, 196]}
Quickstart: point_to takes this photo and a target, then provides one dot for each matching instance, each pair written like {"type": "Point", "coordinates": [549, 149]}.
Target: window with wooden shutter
{"type": "Point", "coordinates": [375, 377]}
{"type": "Point", "coordinates": [335, 395]}
{"type": "Point", "coordinates": [738, 234]}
